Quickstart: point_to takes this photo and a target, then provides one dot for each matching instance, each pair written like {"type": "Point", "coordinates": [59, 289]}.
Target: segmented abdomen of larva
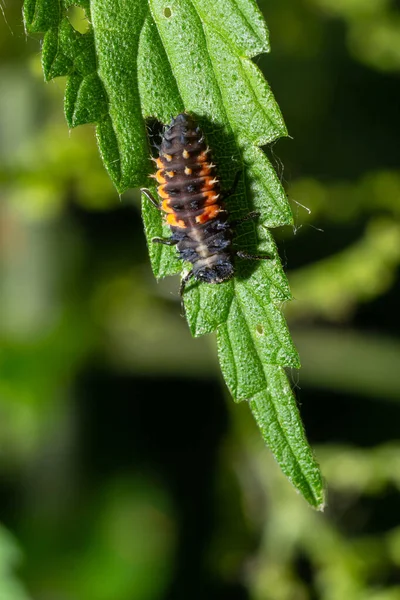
{"type": "Point", "coordinates": [191, 198]}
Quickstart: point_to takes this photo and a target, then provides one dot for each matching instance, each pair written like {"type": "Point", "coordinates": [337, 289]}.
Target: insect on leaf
{"type": "Point", "coordinates": [152, 59]}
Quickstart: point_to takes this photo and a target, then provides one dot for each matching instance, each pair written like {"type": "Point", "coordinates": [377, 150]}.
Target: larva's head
{"type": "Point", "coordinates": [215, 272]}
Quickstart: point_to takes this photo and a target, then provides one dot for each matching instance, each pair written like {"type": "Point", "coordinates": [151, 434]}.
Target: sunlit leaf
{"type": "Point", "coordinates": [150, 60]}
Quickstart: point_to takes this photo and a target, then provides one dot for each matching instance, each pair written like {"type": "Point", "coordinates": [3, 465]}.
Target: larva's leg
{"type": "Point", "coordinates": [164, 241]}
{"type": "Point", "coordinates": [242, 254]}
{"type": "Point", "coordinates": [150, 197]}
{"type": "Point", "coordinates": [253, 215]}
{"type": "Point", "coordinates": [184, 282]}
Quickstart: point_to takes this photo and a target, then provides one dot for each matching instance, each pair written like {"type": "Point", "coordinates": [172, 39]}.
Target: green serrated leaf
{"type": "Point", "coordinates": [40, 15]}
{"type": "Point", "coordinates": [158, 90]}
{"type": "Point", "coordinates": [265, 189]}
{"type": "Point", "coordinates": [256, 333]}
{"type": "Point", "coordinates": [276, 414]}
{"type": "Point", "coordinates": [78, 47]}
{"type": "Point", "coordinates": [144, 60]}
{"type": "Point", "coordinates": [249, 104]}
{"type": "Point", "coordinates": [109, 150]}
{"type": "Point", "coordinates": [71, 94]}
{"type": "Point", "coordinates": [117, 68]}
{"type": "Point", "coordinates": [207, 306]}
{"type": "Point", "coordinates": [54, 62]}
{"type": "Point", "coordinates": [86, 102]}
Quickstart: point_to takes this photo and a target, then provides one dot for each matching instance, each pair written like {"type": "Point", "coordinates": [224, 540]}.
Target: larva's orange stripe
{"type": "Point", "coordinates": [175, 222]}
{"type": "Point", "coordinates": [166, 207]}
{"type": "Point", "coordinates": [161, 192]}
{"type": "Point", "coordinates": [160, 177]}
{"type": "Point", "coordinates": [206, 169]}
{"type": "Point", "coordinates": [201, 157]}
{"type": "Point", "coordinates": [209, 183]}
{"type": "Point", "coordinates": [206, 184]}
{"type": "Point", "coordinates": [209, 213]}
{"type": "Point", "coordinates": [211, 198]}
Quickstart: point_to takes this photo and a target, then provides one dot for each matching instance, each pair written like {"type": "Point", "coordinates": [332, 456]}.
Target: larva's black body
{"type": "Point", "coordinates": [192, 199]}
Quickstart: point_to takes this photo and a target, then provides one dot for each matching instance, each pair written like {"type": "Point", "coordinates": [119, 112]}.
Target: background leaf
{"type": "Point", "coordinates": [143, 61]}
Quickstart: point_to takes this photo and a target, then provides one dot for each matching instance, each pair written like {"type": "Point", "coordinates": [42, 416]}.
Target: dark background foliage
{"type": "Point", "coordinates": [126, 470]}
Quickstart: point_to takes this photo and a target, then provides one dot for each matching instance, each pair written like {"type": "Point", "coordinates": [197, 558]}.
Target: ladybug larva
{"type": "Point", "coordinates": [192, 199]}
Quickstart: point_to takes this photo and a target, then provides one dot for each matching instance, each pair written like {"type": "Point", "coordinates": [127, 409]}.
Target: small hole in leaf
{"type": "Point", "coordinates": [260, 329]}
{"type": "Point", "coordinates": [78, 19]}
{"type": "Point", "coordinates": [167, 12]}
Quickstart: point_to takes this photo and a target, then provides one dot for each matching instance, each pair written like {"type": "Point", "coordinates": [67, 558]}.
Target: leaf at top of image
{"type": "Point", "coordinates": [141, 62]}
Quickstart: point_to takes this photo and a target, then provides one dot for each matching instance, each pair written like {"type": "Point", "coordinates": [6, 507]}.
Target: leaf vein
{"type": "Point", "coordinates": [246, 20]}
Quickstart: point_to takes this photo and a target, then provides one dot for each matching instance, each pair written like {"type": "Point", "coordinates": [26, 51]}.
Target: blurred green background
{"type": "Point", "coordinates": [126, 471]}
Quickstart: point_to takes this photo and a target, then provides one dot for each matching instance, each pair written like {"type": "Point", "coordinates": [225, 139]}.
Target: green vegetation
{"type": "Point", "coordinates": [102, 389]}
{"type": "Point", "coordinates": [138, 61]}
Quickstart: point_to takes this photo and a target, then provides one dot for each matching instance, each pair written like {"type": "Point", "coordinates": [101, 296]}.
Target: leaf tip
{"type": "Point", "coordinates": [316, 497]}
